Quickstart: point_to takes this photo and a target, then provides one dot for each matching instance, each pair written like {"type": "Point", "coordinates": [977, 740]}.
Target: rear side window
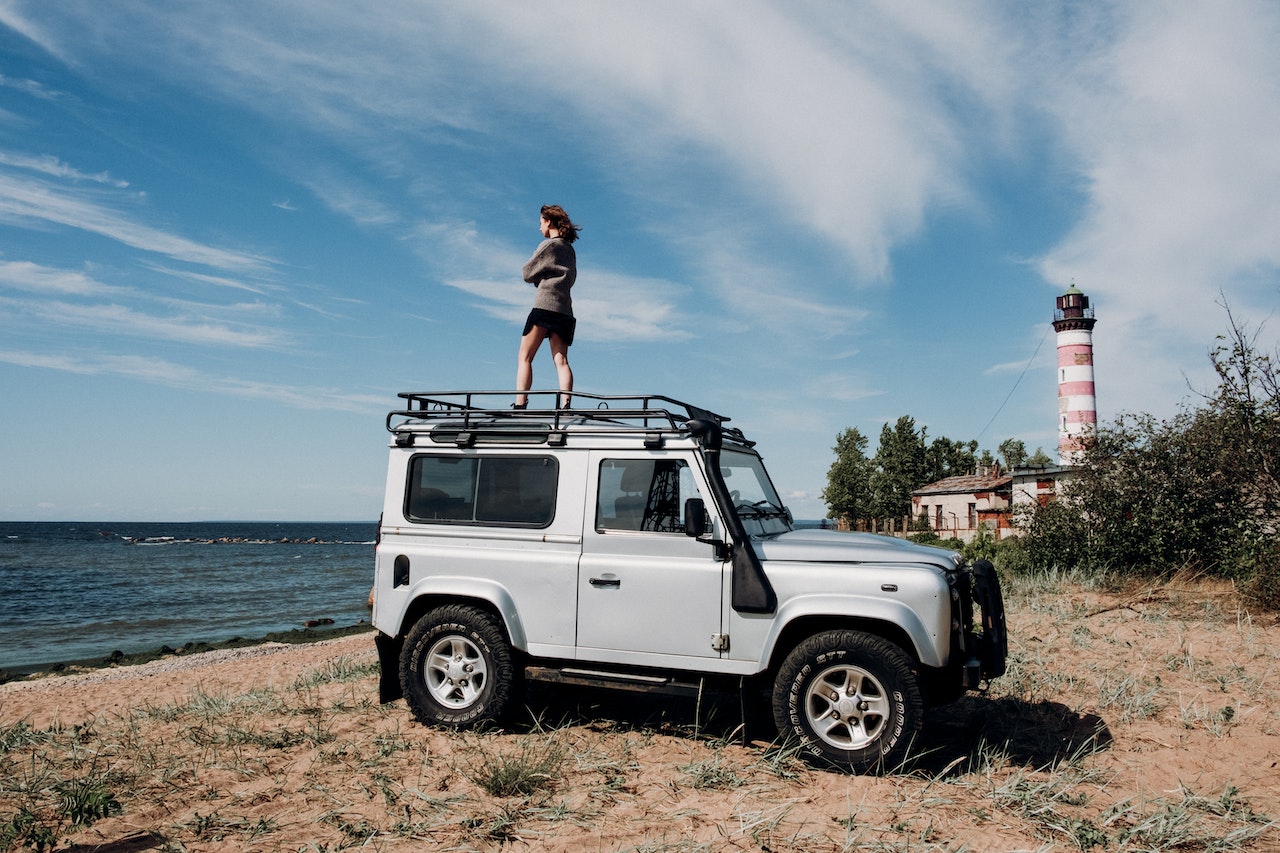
{"type": "Point", "coordinates": [509, 491]}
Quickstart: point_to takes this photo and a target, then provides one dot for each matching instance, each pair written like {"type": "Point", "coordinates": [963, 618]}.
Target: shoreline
{"type": "Point", "coordinates": [295, 636]}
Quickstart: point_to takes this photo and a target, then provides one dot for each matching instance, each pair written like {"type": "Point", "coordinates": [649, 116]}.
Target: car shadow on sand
{"type": "Point", "coordinates": [976, 730]}
{"type": "Point", "coordinates": [961, 737]}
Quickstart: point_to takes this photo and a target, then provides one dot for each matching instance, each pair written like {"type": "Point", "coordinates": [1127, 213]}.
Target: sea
{"type": "Point", "coordinates": [78, 591]}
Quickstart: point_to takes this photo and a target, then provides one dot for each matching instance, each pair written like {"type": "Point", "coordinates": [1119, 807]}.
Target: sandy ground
{"type": "Point", "coordinates": [1140, 721]}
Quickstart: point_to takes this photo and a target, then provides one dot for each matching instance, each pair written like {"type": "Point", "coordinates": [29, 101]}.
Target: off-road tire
{"type": "Point", "coordinates": [456, 668]}
{"type": "Point", "coordinates": [849, 700]}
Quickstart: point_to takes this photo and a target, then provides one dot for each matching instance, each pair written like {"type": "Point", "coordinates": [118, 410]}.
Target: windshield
{"type": "Point", "coordinates": [754, 496]}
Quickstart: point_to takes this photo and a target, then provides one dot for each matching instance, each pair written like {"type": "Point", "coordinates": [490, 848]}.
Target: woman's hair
{"type": "Point", "coordinates": [560, 221]}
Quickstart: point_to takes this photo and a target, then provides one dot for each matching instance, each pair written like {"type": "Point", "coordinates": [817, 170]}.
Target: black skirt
{"type": "Point", "coordinates": [553, 321]}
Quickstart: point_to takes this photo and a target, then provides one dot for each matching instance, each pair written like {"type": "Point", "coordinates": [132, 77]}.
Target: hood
{"type": "Point", "coordinates": [831, 546]}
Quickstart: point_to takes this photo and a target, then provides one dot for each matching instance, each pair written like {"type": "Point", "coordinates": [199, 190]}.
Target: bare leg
{"type": "Point", "coordinates": [560, 354]}
{"type": "Point", "coordinates": [524, 362]}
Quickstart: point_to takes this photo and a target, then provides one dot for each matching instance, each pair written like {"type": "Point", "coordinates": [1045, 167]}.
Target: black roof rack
{"type": "Point", "coordinates": [591, 413]}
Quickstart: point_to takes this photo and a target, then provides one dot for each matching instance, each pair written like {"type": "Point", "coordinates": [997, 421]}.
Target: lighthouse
{"type": "Point", "coordinates": [1077, 403]}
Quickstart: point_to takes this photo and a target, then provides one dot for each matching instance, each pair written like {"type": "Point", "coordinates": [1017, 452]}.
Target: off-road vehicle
{"type": "Point", "coordinates": [638, 542]}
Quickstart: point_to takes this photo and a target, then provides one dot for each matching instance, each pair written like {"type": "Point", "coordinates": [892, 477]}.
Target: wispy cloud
{"type": "Point", "coordinates": [28, 202]}
{"type": "Point", "coordinates": [351, 198]}
{"type": "Point", "coordinates": [28, 276]}
{"type": "Point", "coordinates": [27, 87]}
{"type": "Point", "coordinates": [49, 165]}
{"type": "Point", "coordinates": [161, 371]}
{"type": "Point", "coordinates": [215, 280]}
{"type": "Point", "coordinates": [120, 320]}
{"type": "Point", "coordinates": [70, 298]}
{"type": "Point", "coordinates": [11, 15]}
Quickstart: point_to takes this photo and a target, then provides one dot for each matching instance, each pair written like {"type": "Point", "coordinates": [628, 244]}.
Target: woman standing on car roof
{"type": "Point", "coordinates": [553, 270]}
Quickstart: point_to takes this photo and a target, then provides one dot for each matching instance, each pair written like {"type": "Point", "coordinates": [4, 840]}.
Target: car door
{"type": "Point", "coordinates": [646, 591]}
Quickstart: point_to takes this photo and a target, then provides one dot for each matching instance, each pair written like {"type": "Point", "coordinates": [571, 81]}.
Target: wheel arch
{"type": "Point", "coordinates": [799, 629]}
{"type": "Point", "coordinates": [492, 598]}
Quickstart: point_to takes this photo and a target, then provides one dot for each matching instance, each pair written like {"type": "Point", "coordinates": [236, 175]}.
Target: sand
{"type": "Point", "coordinates": [1131, 721]}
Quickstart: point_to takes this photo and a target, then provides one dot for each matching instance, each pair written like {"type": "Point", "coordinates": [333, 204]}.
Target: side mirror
{"type": "Point", "coordinates": [695, 518]}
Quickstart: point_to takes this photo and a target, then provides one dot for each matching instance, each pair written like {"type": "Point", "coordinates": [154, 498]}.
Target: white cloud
{"type": "Point", "coordinates": [52, 166]}
{"type": "Point", "coordinates": [855, 143]}
{"type": "Point", "coordinates": [120, 320]}
{"type": "Point", "coordinates": [1174, 125]}
{"type": "Point", "coordinates": [11, 16]}
{"type": "Point", "coordinates": [28, 202]}
{"type": "Point", "coordinates": [215, 280]}
{"type": "Point", "coordinates": [160, 371]}
{"type": "Point", "coordinates": [351, 198]}
{"type": "Point", "coordinates": [28, 276]}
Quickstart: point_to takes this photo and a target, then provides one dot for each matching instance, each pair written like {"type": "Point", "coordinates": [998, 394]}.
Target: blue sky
{"type": "Point", "coordinates": [231, 232]}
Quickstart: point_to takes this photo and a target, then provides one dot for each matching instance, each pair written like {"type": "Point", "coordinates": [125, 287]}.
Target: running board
{"type": "Point", "coordinates": [615, 680]}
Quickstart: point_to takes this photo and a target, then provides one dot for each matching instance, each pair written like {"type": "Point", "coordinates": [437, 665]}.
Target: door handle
{"type": "Point", "coordinates": [603, 582]}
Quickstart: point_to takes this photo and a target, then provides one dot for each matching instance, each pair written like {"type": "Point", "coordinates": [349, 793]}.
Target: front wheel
{"type": "Point", "coordinates": [851, 700]}
{"type": "Point", "coordinates": [456, 668]}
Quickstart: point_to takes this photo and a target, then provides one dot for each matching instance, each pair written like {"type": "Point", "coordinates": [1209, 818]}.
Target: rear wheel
{"type": "Point", "coordinates": [456, 668]}
{"type": "Point", "coordinates": [851, 700]}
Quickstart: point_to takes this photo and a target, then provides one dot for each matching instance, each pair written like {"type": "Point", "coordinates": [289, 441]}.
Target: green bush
{"type": "Point", "coordinates": [1261, 584]}
{"type": "Point", "coordinates": [983, 546]}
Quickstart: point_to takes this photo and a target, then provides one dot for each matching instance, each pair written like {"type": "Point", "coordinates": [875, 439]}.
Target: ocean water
{"type": "Point", "coordinates": [77, 591]}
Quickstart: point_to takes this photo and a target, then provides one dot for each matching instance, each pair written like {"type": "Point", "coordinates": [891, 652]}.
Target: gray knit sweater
{"type": "Point", "coordinates": [553, 270]}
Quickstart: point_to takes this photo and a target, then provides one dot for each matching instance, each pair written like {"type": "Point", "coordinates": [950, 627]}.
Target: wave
{"type": "Point", "coordinates": [239, 540]}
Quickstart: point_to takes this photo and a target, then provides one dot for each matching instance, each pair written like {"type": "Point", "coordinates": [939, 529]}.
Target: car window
{"type": "Point", "coordinates": [643, 494]}
{"type": "Point", "coordinates": [496, 490]}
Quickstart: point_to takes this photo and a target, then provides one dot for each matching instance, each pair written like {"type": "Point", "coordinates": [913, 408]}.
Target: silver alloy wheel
{"type": "Point", "coordinates": [847, 707]}
{"type": "Point", "coordinates": [455, 672]}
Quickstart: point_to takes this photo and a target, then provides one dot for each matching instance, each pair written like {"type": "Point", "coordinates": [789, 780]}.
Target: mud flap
{"type": "Point", "coordinates": [389, 666]}
{"type": "Point", "coordinates": [993, 643]}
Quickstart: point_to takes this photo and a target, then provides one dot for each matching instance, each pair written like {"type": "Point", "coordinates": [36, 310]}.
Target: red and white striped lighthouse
{"type": "Point", "coordinates": [1077, 402]}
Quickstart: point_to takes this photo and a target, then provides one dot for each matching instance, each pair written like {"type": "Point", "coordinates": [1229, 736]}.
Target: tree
{"type": "Point", "coordinates": [948, 458]}
{"type": "Point", "coordinates": [1039, 459]}
{"type": "Point", "coordinates": [1014, 453]}
{"type": "Point", "coordinates": [1247, 405]}
{"type": "Point", "coordinates": [900, 469]}
{"type": "Point", "coordinates": [881, 487]}
{"type": "Point", "coordinates": [848, 491]}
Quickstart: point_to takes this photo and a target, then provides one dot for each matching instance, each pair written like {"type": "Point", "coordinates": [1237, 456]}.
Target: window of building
{"type": "Point", "coordinates": [973, 516]}
{"type": "Point", "coordinates": [508, 491]}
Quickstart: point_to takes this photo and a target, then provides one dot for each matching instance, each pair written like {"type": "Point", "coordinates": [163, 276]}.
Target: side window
{"type": "Point", "coordinates": [496, 490]}
{"type": "Point", "coordinates": [643, 494]}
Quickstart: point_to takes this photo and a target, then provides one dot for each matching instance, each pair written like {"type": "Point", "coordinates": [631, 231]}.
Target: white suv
{"type": "Point", "coordinates": [639, 543]}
